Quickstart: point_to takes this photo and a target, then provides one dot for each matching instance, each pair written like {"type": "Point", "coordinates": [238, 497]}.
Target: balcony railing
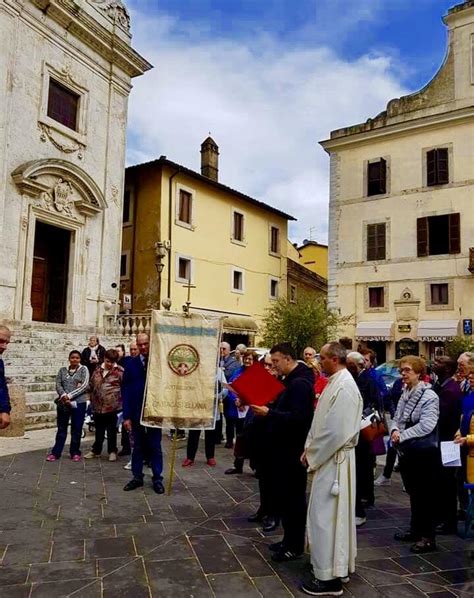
{"type": "Point", "coordinates": [127, 324]}
{"type": "Point", "coordinates": [471, 260]}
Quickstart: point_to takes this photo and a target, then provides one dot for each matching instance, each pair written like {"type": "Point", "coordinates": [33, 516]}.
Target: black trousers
{"type": "Point", "coordinates": [105, 422]}
{"type": "Point", "coordinates": [390, 462]}
{"type": "Point", "coordinates": [420, 473]}
{"type": "Point", "coordinates": [125, 441]}
{"type": "Point", "coordinates": [193, 443]}
{"type": "Point", "coordinates": [266, 485]}
{"type": "Point", "coordinates": [285, 484]}
{"type": "Point", "coordinates": [364, 476]}
{"type": "Point", "coordinates": [448, 496]}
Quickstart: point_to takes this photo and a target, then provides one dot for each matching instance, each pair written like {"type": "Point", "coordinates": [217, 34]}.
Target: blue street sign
{"type": "Point", "coordinates": [467, 327]}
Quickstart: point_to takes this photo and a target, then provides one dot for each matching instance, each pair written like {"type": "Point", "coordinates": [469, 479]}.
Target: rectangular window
{"type": "Point", "coordinates": [185, 206]}
{"type": "Point", "coordinates": [438, 235]}
{"type": "Point", "coordinates": [439, 294]}
{"type": "Point", "coordinates": [237, 280]}
{"type": "Point", "coordinates": [127, 207]}
{"type": "Point", "coordinates": [238, 227]}
{"type": "Point", "coordinates": [184, 269]}
{"type": "Point", "coordinates": [125, 265]}
{"type": "Point", "coordinates": [63, 105]}
{"type": "Point", "coordinates": [274, 288]}
{"type": "Point", "coordinates": [376, 242]}
{"type": "Point", "coordinates": [437, 167]}
{"type": "Point", "coordinates": [376, 297]}
{"type": "Point", "coordinates": [274, 239]}
{"type": "Point", "coordinates": [377, 177]}
{"type": "Point", "coordinates": [292, 293]}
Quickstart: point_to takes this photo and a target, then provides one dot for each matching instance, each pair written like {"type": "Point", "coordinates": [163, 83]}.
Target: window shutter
{"type": "Point", "coordinates": [381, 241]}
{"type": "Point", "coordinates": [422, 236]}
{"type": "Point", "coordinates": [431, 168]}
{"type": "Point", "coordinates": [383, 176]}
{"type": "Point", "coordinates": [442, 166]}
{"type": "Point", "coordinates": [454, 233]}
{"type": "Point", "coordinates": [371, 238]}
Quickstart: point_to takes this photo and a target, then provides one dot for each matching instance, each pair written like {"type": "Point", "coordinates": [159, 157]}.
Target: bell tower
{"type": "Point", "coordinates": [210, 159]}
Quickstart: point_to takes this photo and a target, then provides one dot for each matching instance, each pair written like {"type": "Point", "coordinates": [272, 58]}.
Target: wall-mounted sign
{"type": "Point", "coordinates": [404, 328]}
{"type": "Point", "coordinates": [127, 300]}
{"type": "Point", "coordinates": [467, 327]}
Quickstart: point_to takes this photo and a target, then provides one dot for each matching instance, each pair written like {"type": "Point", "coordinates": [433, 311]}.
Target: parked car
{"type": "Point", "coordinates": [389, 372]}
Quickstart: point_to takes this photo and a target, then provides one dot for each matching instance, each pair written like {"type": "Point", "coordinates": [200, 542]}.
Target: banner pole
{"type": "Point", "coordinates": [174, 445]}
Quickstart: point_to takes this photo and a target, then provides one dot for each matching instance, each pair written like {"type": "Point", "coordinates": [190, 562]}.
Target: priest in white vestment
{"type": "Point", "coordinates": [329, 455]}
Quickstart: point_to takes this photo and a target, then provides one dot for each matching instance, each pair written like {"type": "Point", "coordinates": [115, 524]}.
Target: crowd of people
{"type": "Point", "coordinates": [329, 421]}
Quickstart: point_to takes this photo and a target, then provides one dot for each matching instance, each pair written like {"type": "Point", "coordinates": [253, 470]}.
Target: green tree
{"type": "Point", "coordinates": [308, 322]}
{"type": "Point", "coordinates": [458, 345]}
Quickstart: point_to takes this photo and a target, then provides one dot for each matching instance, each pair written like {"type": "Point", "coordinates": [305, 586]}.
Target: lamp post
{"type": "Point", "coordinates": [161, 251]}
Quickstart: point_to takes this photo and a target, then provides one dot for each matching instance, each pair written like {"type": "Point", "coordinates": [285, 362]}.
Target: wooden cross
{"type": "Point", "coordinates": [187, 305]}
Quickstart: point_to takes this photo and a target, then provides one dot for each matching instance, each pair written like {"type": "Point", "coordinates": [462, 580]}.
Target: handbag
{"type": "Point", "coordinates": [373, 426]}
{"type": "Point", "coordinates": [420, 443]}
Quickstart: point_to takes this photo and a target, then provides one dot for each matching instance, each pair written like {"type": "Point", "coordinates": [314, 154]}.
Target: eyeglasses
{"type": "Point", "coordinates": [405, 370]}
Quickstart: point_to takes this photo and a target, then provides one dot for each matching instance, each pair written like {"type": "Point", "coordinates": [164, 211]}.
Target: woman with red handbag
{"type": "Point", "coordinates": [373, 418]}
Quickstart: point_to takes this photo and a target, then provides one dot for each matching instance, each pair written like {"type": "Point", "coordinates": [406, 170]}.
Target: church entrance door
{"type": "Point", "coordinates": [50, 273]}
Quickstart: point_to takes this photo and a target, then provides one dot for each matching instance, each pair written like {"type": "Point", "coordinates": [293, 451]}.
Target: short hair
{"type": "Point", "coordinates": [74, 352]}
{"type": "Point", "coordinates": [357, 357]}
{"type": "Point", "coordinates": [241, 347]}
{"type": "Point", "coordinates": [335, 349]}
{"type": "Point", "coordinates": [94, 336]}
{"type": "Point", "coordinates": [448, 363]}
{"type": "Point", "coordinates": [311, 348]}
{"type": "Point", "coordinates": [469, 355]}
{"type": "Point", "coordinates": [417, 364]}
{"type": "Point", "coordinates": [250, 353]}
{"type": "Point", "coordinates": [285, 349]}
{"type": "Point", "coordinates": [111, 355]}
{"type": "Point", "coordinates": [224, 344]}
{"type": "Point", "coordinates": [370, 353]}
{"type": "Point", "coordinates": [121, 345]}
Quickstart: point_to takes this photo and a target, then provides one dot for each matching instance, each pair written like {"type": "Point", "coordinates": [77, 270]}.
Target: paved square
{"type": "Point", "coordinates": [68, 529]}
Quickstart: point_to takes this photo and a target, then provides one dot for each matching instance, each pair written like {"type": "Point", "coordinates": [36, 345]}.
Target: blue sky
{"type": "Point", "coordinates": [268, 79]}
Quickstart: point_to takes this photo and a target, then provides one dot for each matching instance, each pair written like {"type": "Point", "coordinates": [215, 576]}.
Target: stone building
{"type": "Point", "coordinates": [194, 229]}
{"type": "Point", "coordinates": [302, 280]}
{"type": "Point", "coordinates": [65, 77]}
{"type": "Point", "coordinates": [401, 231]}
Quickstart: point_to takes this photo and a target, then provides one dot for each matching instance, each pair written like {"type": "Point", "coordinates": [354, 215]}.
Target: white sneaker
{"type": "Point", "coordinates": [113, 457]}
{"type": "Point", "coordinates": [360, 521]}
{"type": "Point", "coordinates": [128, 466]}
{"type": "Point", "coordinates": [382, 481]}
{"type": "Point", "coordinates": [91, 455]}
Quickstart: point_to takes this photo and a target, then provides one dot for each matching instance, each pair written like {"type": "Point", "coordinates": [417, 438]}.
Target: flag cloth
{"type": "Point", "coordinates": [256, 386]}
{"type": "Point", "coordinates": [181, 378]}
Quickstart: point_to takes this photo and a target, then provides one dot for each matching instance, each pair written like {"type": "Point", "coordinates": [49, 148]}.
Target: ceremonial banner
{"type": "Point", "coordinates": [181, 378]}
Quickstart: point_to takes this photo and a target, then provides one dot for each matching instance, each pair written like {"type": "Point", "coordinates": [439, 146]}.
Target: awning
{"type": "Point", "coordinates": [239, 325]}
{"type": "Point", "coordinates": [437, 330]}
{"type": "Point", "coordinates": [374, 331]}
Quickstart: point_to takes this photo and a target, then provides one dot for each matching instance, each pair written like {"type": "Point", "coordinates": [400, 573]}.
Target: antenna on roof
{"type": "Point", "coordinates": [311, 230]}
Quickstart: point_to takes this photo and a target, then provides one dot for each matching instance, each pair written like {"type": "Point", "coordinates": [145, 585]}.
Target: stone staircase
{"type": "Point", "coordinates": [33, 359]}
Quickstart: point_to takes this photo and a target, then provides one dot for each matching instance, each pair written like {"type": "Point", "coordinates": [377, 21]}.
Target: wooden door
{"type": "Point", "coordinates": [38, 289]}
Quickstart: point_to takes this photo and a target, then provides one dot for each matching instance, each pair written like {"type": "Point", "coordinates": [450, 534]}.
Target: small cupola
{"type": "Point", "coordinates": [210, 159]}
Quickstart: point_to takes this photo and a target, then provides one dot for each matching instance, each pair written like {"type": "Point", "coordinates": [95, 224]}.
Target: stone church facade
{"type": "Point", "coordinates": [65, 76]}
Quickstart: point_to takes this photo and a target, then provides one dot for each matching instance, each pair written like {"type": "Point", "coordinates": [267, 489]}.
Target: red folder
{"type": "Point", "coordinates": [256, 386]}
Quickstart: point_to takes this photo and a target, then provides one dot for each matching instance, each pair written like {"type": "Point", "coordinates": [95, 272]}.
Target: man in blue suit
{"type": "Point", "coordinates": [5, 336]}
{"type": "Point", "coordinates": [146, 441]}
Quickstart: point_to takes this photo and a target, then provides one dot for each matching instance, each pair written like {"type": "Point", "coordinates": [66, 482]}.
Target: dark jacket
{"type": "Point", "coordinates": [86, 355]}
{"type": "Point", "coordinates": [133, 388]}
{"type": "Point", "coordinates": [230, 365]}
{"type": "Point", "coordinates": [290, 416]}
{"type": "Point", "coordinates": [369, 389]}
{"type": "Point", "coordinates": [450, 408]}
{"type": "Point", "coordinates": [5, 406]}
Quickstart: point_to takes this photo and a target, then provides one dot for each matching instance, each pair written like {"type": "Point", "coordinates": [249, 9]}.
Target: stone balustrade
{"type": "Point", "coordinates": [128, 325]}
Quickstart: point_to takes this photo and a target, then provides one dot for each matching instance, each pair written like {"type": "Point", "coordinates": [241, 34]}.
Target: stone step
{"type": "Point", "coordinates": [34, 387]}
{"type": "Point", "coordinates": [39, 408]}
{"type": "Point", "coordinates": [40, 425]}
{"type": "Point", "coordinates": [44, 396]}
{"type": "Point", "coordinates": [39, 419]}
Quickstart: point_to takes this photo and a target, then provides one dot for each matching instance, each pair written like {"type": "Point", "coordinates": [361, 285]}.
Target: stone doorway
{"type": "Point", "coordinates": [50, 273]}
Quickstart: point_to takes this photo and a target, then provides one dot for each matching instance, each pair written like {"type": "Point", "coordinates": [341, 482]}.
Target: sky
{"type": "Point", "coordinates": [268, 79]}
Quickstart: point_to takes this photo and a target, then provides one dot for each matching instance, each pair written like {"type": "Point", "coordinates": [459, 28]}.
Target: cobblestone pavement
{"type": "Point", "coordinates": [68, 529]}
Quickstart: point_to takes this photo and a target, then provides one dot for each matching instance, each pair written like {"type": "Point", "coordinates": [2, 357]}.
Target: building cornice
{"type": "Point", "coordinates": [84, 27]}
{"type": "Point", "coordinates": [435, 121]}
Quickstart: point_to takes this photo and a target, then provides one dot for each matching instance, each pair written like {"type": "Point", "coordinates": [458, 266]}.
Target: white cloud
{"type": "Point", "coordinates": [266, 105]}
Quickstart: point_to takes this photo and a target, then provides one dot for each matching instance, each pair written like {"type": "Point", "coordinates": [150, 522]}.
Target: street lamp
{"type": "Point", "coordinates": [161, 251]}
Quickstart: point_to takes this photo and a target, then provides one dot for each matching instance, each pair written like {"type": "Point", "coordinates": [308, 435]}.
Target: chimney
{"type": "Point", "coordinates": [209, 159]}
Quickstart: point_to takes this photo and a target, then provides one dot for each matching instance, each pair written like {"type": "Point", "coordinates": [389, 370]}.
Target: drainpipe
{"type": "Point", "coordinates": [170, 225]}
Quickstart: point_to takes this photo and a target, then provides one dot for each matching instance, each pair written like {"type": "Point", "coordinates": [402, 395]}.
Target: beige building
{"type": "Point", "coordinates": [401, 231]}
{"type": "Point", "coordinates": [314, 256]}
{"type": "Point", "coordinates": [186, 229]}
{"type": "Point", "coordinates": [65, 76]}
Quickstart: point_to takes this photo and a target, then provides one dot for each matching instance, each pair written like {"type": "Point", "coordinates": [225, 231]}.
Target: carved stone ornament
{"type": "Point", "coordinates": [116, 11]}
{"type": "Point", "coordinates": [46, 134]}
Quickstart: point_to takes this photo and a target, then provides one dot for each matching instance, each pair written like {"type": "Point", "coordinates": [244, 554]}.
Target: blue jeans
{"type": "Point", "coordinates": [146, 443]}
{"type": "Point", "coordinates": [76, 415]}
